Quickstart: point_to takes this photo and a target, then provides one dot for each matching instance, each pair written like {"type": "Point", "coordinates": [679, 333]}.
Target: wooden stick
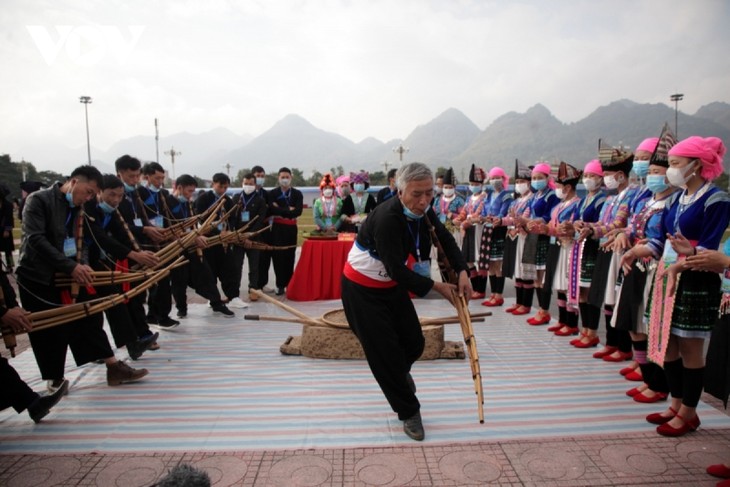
{"type": "Point", "coordinates": [295, 312]}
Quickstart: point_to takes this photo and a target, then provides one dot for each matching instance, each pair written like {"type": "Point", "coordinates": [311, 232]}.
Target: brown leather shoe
{"type": "Point", "coordinates": [119, 373]}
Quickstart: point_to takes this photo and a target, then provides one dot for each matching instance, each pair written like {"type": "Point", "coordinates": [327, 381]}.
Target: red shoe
{"type": "Point", "coordinates": [556, 327]}
{"type": "Point", "coordinates": [658, 396]}
{"type": "Point", "coordinates": [719, 470]}
{"type": "Point", "coordinates": [687, 427]}
{"type": "Point", "coordinates": [491, 302]}
{"type": "Point", "coordinates": [580, 337]}
{"type": "Point", "coordinates": [604, 351]}
{"type": "Point", "coordinates": [566, 331]}
{"type": "Point", "coordinates": [592, 342]}
{"type": "Point", "coordinates": [634, 375]}
{"type": "Point", "coordinates": [512, 308]}
{"type": "Point", "coordinates": [537, 320]}
{"type": "Point", "coordinates": [657, 418]}
{"type": "Point", "coordinates": [633, 392]}
{"type": "Point", "coordinates": [626, 370]}
{"type": "Point", "coordinates": [523, 311]}
{"type": "Point", "coordinates": [622, 356]}
{"type": "Point", "coordinates": [476, 295]}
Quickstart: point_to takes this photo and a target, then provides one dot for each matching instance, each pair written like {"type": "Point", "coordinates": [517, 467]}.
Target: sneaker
{"type": "Point", "coordinates": [150, 339]}
{"type": "Point", "coordinates": [167, 323]}
{"type": "Point", "coordinates": [43, 404]}
{"type": "Point", "coordinates": [54, 385]}
{"type": "Point", "coordinates": [280, 291]}
{"type": "Point", "coordinates": [119, 373]}
{"type": "Point", "coordinates": [267, 290]}
{"type": "Point", "coordinates": [413, 427]}
{"type": "Point", "coordinates": [136, 348]}
{"type": "Point", "coordinates": [237, 303]}
{"type": "Point", "coordinates": [222, 309]}
{"type": "Point", "coordinates": [182, 313]}
{"type": "Point", "coordinates": [251, 296]}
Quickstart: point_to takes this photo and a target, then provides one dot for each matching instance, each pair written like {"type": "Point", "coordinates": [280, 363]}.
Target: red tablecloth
{"type": "Point", "coordinates": [319, 270]}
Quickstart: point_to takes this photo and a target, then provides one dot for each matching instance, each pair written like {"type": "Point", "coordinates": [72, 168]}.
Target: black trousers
{"type": "Point", "coordinates": [159, 299]}
{"type": "Point", "coordinates": [221, 261]}
{"type": "Point", "coordinates": [283, 259]}
{"type": "Point", "coordinates": [119, 319]}
{"type": "Point", "coordinates": [387, 325]}
{"type": "Point", "coordinates": [14, 392]}
{"type": "Point", "coordinates": [264, 261]}
{"type": "Point", "coordinates": [85, 337]}
{"type": "Point", "coordinates": [253, 266]}
{"type": "Point", "coordinates": [195, 274]}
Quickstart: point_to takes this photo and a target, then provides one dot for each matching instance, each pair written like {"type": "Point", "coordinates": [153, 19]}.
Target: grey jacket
{"type": "Point", "coordinates": [44, 229]}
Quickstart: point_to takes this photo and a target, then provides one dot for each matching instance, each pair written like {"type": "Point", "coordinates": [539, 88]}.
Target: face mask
{"type": "Point", "coordinates": [611, 182]}
{"type": "Point", "coordinates": [260, 182]}
{"type": "Point", "coordinates": [106, 207]}
{"type": "Point", "coordinates": [182, 199]}
{"type": "Point", "coordinates": [437, 190]}
{"type": "Point", "coordinates": [151, 187]}
{"type": "Point", "coordinates": [359, 187]}
{"type": "Point", "coordinates": [539, 184]}
{"type": "Point", "coordinates": [677, 176]}
{"type": "Point", "coordinates": [656, 183]}
{"type": "Point", "coordinates": [284, 182]}
{"type": "Point", "coordinates": [248, 189]}
{"type": "Point", "coordinates": [70, 197]}
{"type": "Point", "coordinates": [560, 193]}
{"type": "Point", "coordinates": [449, 192]}
{"type": "Point", "coordinates": [328, 192]}
{"type": "Point", "coordinates": [475, 188]}
{"type": "Point", "coordinates": [590, 184]}
{"type": "Point", "coordinates": [129, 188]}
{"type": "Point", "coordinates": [496, 183]}
{"type": "Point", "coordinates": [345, 190]}
{"type": "Point", "coordinates": [410, 214]}
{"type": "Point", "coordinates": [641, 168]}
{"type": "Point", "coordinates": [522, 188]}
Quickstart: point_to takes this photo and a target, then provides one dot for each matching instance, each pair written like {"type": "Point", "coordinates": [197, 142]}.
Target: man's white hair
{"type": "Point", "coordinates": [414, 171]}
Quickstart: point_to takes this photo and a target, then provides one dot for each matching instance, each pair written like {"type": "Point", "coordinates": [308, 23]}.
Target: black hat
{"type": "Point", "coordinates": [449, 177]}
{"type": "Point", "coordinates": [522, 171]}
{"type": "Point", "coordinates": [660, 157]}
{"type": "Point", "coordinates": [568, 174]}
{"type": "Point", "coordinates": [615, 158]}
{"type": "Point", "coordinates": [476, 174]}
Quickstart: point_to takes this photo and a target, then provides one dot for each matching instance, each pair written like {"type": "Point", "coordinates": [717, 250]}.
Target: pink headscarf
{"type": "Point", "coordinates": [544, 168]}
{"type": "Point", "coordinates": [709, 150]}
{"type": "Point", "coordinates": [498, 172]}
{"type": "Point", "coordinates": [594, 167]}
{"type": "Point", "coordinates": [648, 145]}
{"type": "Point", "coordinates": [341, 179]}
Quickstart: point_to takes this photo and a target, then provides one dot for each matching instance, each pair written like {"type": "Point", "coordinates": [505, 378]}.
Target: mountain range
{"type": "Point", "coordinates": [450, 139]}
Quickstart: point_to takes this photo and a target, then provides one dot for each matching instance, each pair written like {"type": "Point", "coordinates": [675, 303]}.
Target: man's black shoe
{"type": "Point", "coordinates": [152, 320]}
{"type": "Point", "coordinates": [182, 313]}
{"type": "Point", "coordinates": [136, 349]}
{"type": "Point", "coordinates": [222, 309]}
{"type": "Point", "coordinates": [280, 291]}
{"type": "Point", "coordinates": [168, 323]}
{"type": "Point", "coordinates": [150, 340]}
{"type": "Point", "coordinates": [411, 383]}
{"type": "Point", "coordinates": [42, 406]}
{"type": "Point", "coordinates": [413, 427]}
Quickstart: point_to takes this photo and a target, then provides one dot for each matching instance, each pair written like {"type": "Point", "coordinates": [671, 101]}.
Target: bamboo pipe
{"type": "Point", "coordinates": [295, 312]}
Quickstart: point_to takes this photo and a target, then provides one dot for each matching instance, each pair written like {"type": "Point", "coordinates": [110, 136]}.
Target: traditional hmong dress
{"type": "Point", "coordinates": [492, 242]}
{"type": "Point", "coordinates": [536, 246]}
{"type": "Point", "coordinates": [583, 254]}
{"type": "Point", "coordinates": [514, 244]}
{"type": "Point", "coordinates": [634, 290]}
{"type": "Point", "coordinates": [447, 209]}
{"type": "Point", "coordinates": [702, 218]}
{"type": "Point", "coordinates": [472, 236]}
{"type": "Point", "coordinates": [613, 215]}
{"type": "Point", "coordinates": [560, 247]}
{"type": "Point", "coordinates": [328, 212]}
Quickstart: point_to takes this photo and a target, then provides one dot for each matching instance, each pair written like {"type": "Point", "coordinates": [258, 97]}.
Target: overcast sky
{"type": "Point", "coordinates": [358, 68]}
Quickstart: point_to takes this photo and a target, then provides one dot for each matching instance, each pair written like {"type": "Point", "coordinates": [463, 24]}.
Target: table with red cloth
{"type": "Point", "coordinates": [319, 270]}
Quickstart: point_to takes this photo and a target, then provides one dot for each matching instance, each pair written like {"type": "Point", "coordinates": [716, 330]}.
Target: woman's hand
{"type": "Point", "coordinates": [708, 260]}
{"type": "Point", "coordinates": [680, 244]}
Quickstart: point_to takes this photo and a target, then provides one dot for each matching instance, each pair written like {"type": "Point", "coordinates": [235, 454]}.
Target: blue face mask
{"type": "Point", "coordinates": [182, 199]}
{"type": "Point", "coordinates": [70, 198]}
{"type": "Point", "coordinates": [359, 187]}
{"type": "Point", "coordinates": [260, 182]}
{"type": "Point", "coordinates": [475, 189]}
{"type": "Point", "coordinates": [641, 168]}
{"type": "Point", "coordinates": [410, 214]}
{"type": "Point", "coordinates": [656, 183]}
{"type": "Point", "coordinates": [539, 184]}
{"type": "Point", "coordinates": [129, 188]}
{"type": "Point", "coordinates": [106, 208]}
{"type": "Point", "coordinates": [152, 188]}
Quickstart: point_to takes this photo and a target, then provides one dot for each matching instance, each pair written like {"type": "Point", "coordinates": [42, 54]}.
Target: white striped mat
{"type": "Point", "coordinates": [221, 384]}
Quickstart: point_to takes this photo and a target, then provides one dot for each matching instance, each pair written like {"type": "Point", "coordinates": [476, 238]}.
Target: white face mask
{"type": "Point", "coordinates": [590, 184]}
{"type": "Point", "coordinates": [248, 189]}
{"type": "Point", "coordinates": [284, 182]}
{"type": "Point", "coordinates": [522, 188]}
{"type": "Point", "coordinates": [449, 192]}
{"type": "Point", "coordinates": [560, 193]}
{"type": "Point", "coordinates": [611, 182]}
{"type": "Point", "coordinates": [678, 176]}
{"type": "Point", "coordinates": [327, 192]}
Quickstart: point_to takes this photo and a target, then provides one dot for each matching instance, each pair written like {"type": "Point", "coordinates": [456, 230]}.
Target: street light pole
{"type": "Point", "coordinates": [86, 100]}
{"type": "Point", "coordinates": [676, 98]}
{"type": "Point", "coordinates": [400, 150]}
{"type": "Point", "coordinates": [172, 153]}
{"type": "Point", "coordinates": [228, 167]}
{"type": "Point", "coordinates": [157, 143]}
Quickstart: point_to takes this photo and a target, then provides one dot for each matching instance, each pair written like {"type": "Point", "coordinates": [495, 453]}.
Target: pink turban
{"type": "Point", "coordinates": [594, 167]}
{"type": "Point", "coordinates": [709, 150]}
{"type": "Point", "coordinates": [648, 145]}
{"type": "Point", "coordinates": [342, 179]}
{"type": "Point", "coordinates": [498, 172]}
{"type": "Point", "coordinates": [544, 168]}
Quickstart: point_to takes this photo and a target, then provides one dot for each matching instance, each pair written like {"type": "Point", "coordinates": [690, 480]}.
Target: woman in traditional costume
{"type": "Point", "coordinates": [469, 221]}
{"type": "Point", "coordinates": [448, 204]}
{"type": "Point", "coordinates": [328, 207]}
{"type": "Point", "coordinates": [356, 208]}
{"type": "Point", "coordinates": [494, 232]}
{"type": "Point", "coordinates": [681, 321]}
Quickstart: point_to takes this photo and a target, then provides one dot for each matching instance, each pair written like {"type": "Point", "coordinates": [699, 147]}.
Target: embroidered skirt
{"type": "Point", "coordinates": [696, 304]}
{"type": "Point", "coordinates": [633, 298]}
{"type": "Point", "coordinates": [560, 280]}
{"type": "Point", "coordinates": [588, 261]}
{"type": "Point", "coordinates": [510, 256]}
{"type": "Point", "coordinates": [597, 292]}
